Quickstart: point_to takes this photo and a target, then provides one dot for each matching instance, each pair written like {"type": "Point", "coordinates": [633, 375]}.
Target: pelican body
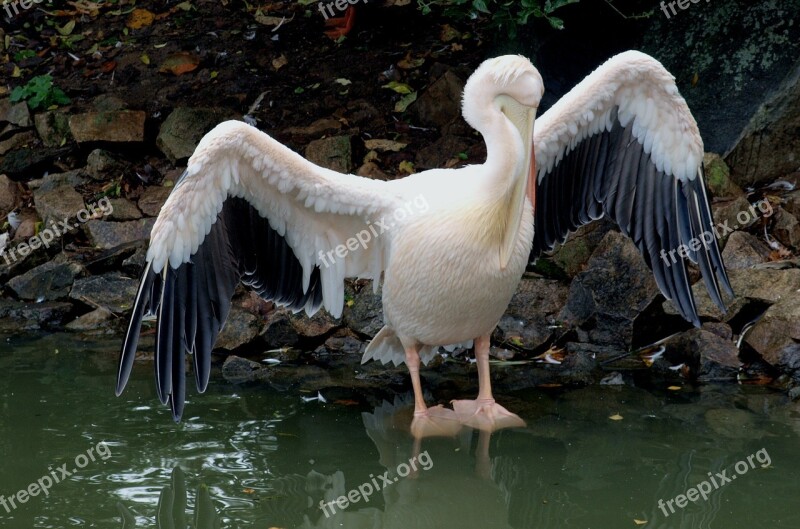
{"type": "Point", "coordinates": [622, 143]}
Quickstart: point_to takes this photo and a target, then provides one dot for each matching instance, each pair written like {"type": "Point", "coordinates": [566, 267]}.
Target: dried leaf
{"type": "Point", "coordinates": [639, 522]}
{"type": "Point", "coordinates": [66, 29]}
{"type": "Point", "coordinates": [342, 81]}
{"type": "Point", "coordinates": [616, 417]}
{"type": "Point", "coordinates": [280, 62]}
{"type": "Point", "coordinates": [140, 18]}
{"type": "Point", "coordinates": [674, 388]}
{"type": "Point", "coordinates": [268, 20]}
{"type": "Point", "coordinates": [384, 145]}
{"type": "Point", "coordinates": [180, 63]}
{"type": "Point", "coordinates": [448, 33]}
{"type": "Point", "coordinates": [408, 63]}
{"type": "Point", "coordinates": [145, 58]}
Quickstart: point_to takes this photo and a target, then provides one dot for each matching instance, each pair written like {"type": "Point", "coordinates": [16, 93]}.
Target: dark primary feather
{"type": "Point", "coordinates": [192, 302]}
{"type": "Point", "coordinates": [609, 173]}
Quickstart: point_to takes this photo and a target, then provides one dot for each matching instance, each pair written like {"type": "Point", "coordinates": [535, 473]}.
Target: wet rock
{"type": "Point", "coordinates": [580, 367]}
{"type": "Point", "coordinates": [734, 214]}
{"type": "Point", "coordinates": [365, 314]}
{"type": "Point", "coordinates": [18, 316]}
{"type": "Point", "coordinates": [438, 153]}
{"type": "Point", "coordinates": [778, 331]}
{"type": "Point", "coordinates": [759, 285]}
{"type": "Point", "coordinates": [613, 379]}
{"type": "Point", "coordinates": [279, 332]}
{"type": "Point", "coordinates": [17, 141]}
{"type": "Point", "coordinates": [314, 326]}
{"type": "Point", "coordinates": [718, 177]}
{"type": "Point", "coordinates": [769, 145]}
{"type": "Point", "coordinates": [792, 204]}
{"type": "Point", "coordinates": [123, 209]}
{"type": "Point", "coordinates": [102, 165]}
{"type": "Point", "coordinates": [316, 130]}
{"type": "Point", "coordinates": [25, 161]}
{"type": "Point", "coordinates": [573, 255]}
{"type": "Point", "coordinates": [113, 126]}
{"type": "Point", "coordinates": [105, 234]}
{"type": "Point", "coordinates": [440, 103]}
{"type": "Point", "coordinates": [9, 195]}
{"type": "Point", "coordinates": [786, 229]}
{"type": "Point", "coordinates": [135, 263]}
{"type": "Point", "coordinates": [710, 357]}
{"type": "Point", "coordinates": [345, 343]}
{"type": "Point", "coordinates": [615, 288]}
{"type": "Point", "coordinates": [184, 127]}
{"type": "Point", "coordinates": [152, 199]}
{"type": "Point", "coordinates": [237, 370]}
{"type": "Point", "coordinates": [334, 153]}
{"type": "Point", "coordinates": [723, 330]}
{"type": "Point", "coordinates": [111, 291]}
{"type": "Point", "coordinates": [53, 128]}
{"type": "Point", "coordinates": [744, 250]}
{"type": "Point", "coordinates": [16, 114]}
{"type": "Point", "coordinates": [46, 282]}
{"type": "Point", "coordinates": [58, 204]}
{"type": "Point", "coordinates": [52, 181]}
{"type": "Point", "coordinates": [96, 320]}
{"type": "Point", "coordinates": [241, 327]}
{"type": "Point", "coordinates": [531, 317]}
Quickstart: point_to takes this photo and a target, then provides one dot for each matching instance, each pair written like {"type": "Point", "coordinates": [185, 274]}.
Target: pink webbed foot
{"type": "Point", "coordinates": [436, 421]}
{"type": "Point", "coordinates": [485, 414]}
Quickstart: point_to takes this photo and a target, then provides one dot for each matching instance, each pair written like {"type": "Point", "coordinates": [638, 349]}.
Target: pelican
{"type": "Point", "coordinates": [622, 143]}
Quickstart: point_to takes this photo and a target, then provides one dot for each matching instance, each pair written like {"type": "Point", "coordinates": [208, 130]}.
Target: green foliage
{"type": "Point", "coordinates": [40, 92]}
{"type": "Point", "coordinates": [504, 14]}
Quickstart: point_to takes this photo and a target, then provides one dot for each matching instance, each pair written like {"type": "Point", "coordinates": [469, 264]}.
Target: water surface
{"type": "Point", "coordinates": [252, 457]}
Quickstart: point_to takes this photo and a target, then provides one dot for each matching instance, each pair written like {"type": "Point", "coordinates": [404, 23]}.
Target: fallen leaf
{"type": "Point", "coordinates": [616, 417]}
{"type": "Point", "coordinates": [145, 58]}
{"type": "Point", "coordinates": [342, 81]}
{"type": "Point", "coordinates": [267, 20]}
{"type": "Point", "coordinates": [406, 167]}
{"type": "Point", "coordinates": [280, 62]}
{"type": "Point", "coordinates": [674, 388]}
{"type": "Point", "coordinates": [108, 66]}
{"type": "Point", "coordinates": [408, 63]}
{"type": "Point", "coordinates": [66, 29]}
{"type": "Point", "coordinates": [140, 18]}
{"type": "Point", "coordinates": [180, 63]}
{"type": "Point", "coordinates": [639, 522]}
{"type": "Point", "coordinates": [406, 100]}
{"type": "Point", "coordinates": [400, 88]}
{"type": "Point", "coordinates": [384, 145]}
{"type": "Point", "coordinates": [448, 33]}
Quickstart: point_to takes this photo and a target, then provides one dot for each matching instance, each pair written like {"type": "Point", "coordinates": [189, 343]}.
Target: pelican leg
{"type": "Point", "coordinates": [436, 421]}
{"type": "Point", "coordinates": [484, 413]}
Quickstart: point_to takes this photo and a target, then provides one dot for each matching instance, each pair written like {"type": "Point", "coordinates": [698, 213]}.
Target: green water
{"type": "Point", "coordinates": [250, 457]}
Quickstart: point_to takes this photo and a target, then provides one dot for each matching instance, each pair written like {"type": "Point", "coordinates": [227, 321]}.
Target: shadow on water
{"type": "Point", "coordinates": [247, 456]}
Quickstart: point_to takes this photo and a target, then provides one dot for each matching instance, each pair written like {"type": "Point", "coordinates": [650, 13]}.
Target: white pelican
{"type": "Point", "coordinates": [622, 143]}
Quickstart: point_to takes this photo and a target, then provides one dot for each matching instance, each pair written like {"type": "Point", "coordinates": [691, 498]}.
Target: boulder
{"type": "Point", "coordinates": [440, 103]}
{"type": "Point", "coordinates": [334, 153]}
{"type": "Point", "coordinates": [184, 127]}
{"type": "Point", "coordinates": [57, 204]}
{"type": "Point", "coordinates": [112, 126]}
{"type": "Point", "coordinates": [744, 250]}
{"type": "Point", "coordinates": [105, 234]}
{"type": "Point", "coordinates": [53, 128]}
{"type": "Point", "coordinates": [531, 317]}
{"type": "Point", "coordinates": [46, 282]}
{"type": "Point", "coordinates": [111, 291]}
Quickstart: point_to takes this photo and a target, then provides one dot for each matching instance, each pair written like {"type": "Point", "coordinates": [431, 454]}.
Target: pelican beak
{"type": "Point", "coordinates": [524, 181]}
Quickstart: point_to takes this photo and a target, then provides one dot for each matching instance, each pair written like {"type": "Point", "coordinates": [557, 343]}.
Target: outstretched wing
{"type": "Point", "coordinates": [248, 209]}
{"type": "Point", "coordinates": [623, 143]}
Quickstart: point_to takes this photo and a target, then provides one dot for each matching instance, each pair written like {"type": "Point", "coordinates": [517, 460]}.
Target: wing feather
{"type": "Point", "coordinates": [623, 143]}
{"type": "Point", "coordinates": [247, 210]}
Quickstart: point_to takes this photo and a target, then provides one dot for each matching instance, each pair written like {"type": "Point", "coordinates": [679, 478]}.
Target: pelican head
{"type": "Point", "coordinates": [506, 91]}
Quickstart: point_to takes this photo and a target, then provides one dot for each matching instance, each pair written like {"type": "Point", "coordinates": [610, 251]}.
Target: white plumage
{"type": "Point", "coordinates": [622, 143]}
